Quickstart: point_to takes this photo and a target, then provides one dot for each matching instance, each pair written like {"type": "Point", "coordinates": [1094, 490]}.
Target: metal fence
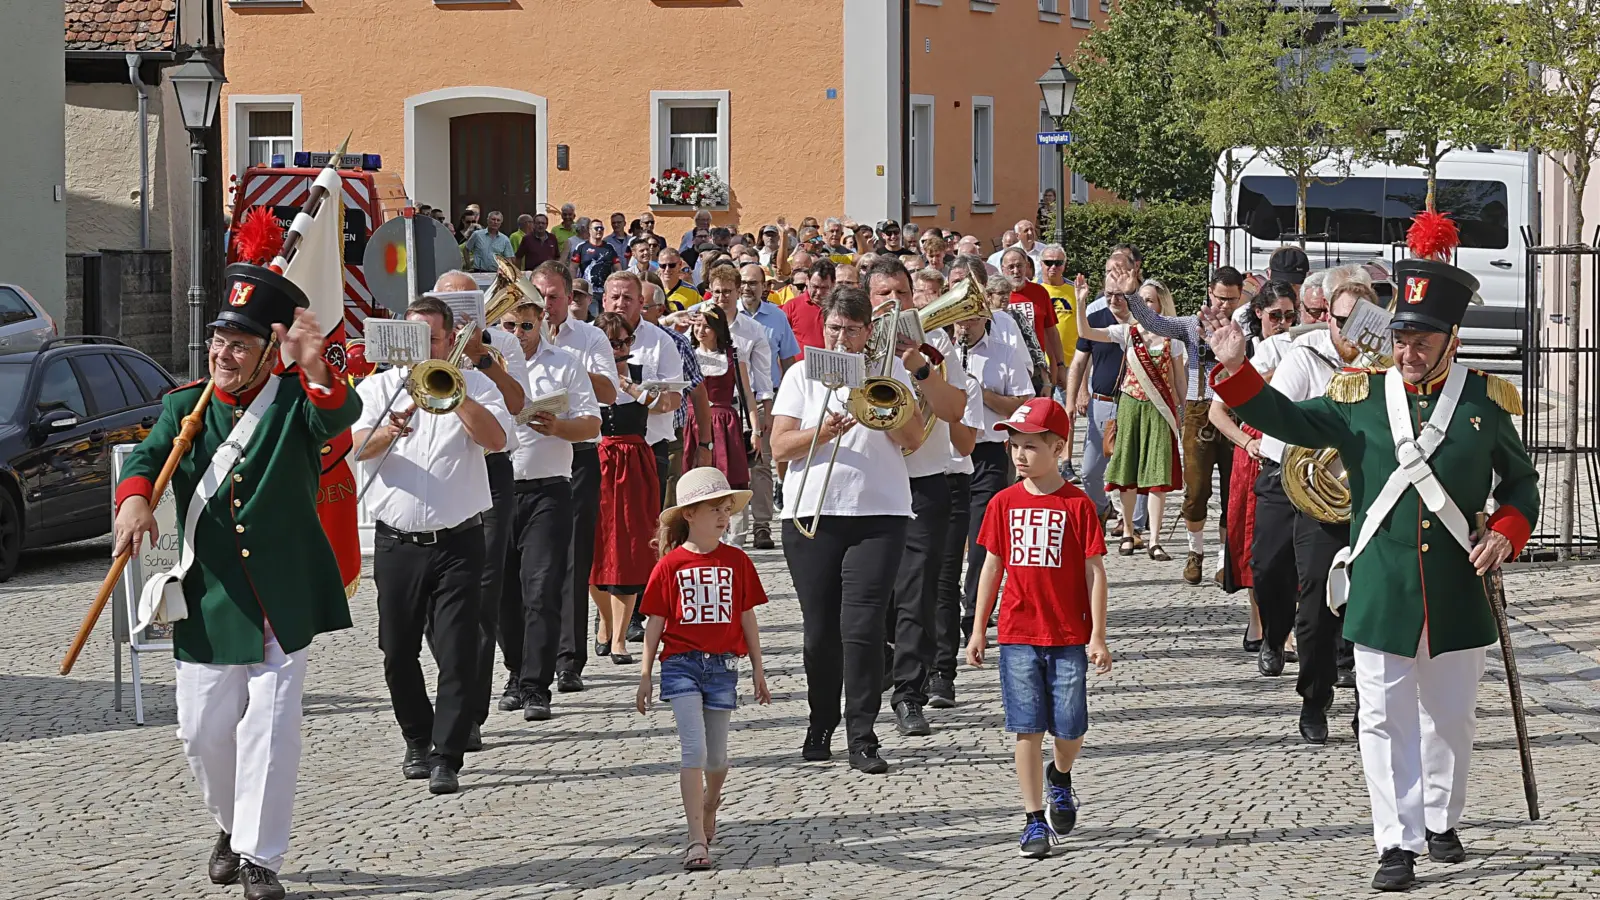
{"type": "Point", "coordinates": [1560, 389]}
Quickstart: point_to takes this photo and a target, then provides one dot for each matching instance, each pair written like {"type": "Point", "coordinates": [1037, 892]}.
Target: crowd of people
{"type": "Point", "coordinates": [646, 409]}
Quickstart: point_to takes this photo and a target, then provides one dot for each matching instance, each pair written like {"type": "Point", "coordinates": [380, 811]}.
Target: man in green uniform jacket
{"type": "Point", "coordinates": [264, 580]}
{"type": "Point", "coordinates": [1418, 612]}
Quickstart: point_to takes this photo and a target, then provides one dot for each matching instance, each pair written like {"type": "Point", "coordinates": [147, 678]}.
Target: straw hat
{"type": "Point", "coordinates": [701, 484]}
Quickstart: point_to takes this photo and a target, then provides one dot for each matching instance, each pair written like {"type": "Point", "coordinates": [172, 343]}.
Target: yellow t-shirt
{"type": "Point", "coordinates": [783, 295]}
{"type": "Point", "coordinates": [682, 297]}
{"type": "Point", "coordinates": [1066, 321]}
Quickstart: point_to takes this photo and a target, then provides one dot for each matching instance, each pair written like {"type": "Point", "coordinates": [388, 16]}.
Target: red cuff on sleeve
{"type": "Point", "coordinates": [1239, 387]}
{"type": "Point", "coordinates": [330, 397]}
{"type": "Point", "coordinates": [133, 486]}
{"type": "Point", "coordinates": [1510, 522]}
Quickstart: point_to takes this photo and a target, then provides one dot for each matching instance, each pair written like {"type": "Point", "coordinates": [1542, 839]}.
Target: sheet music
{"type": "Point", "coordinates": [909, 324]}
{"type": "Point", "coordinates": [465, 306]}
{"type": "Point", "coordinates": [555, 403]}
{"type": "Point", "coordinates": [663, 386]}
{"type": "Point", "coordinates": [1368, 328]}
{"type": "Point", "coordinates": [846, 369]}
{"type": "Point", "coordinates": [397, 342]}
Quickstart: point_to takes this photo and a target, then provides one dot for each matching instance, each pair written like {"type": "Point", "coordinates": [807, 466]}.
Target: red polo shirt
{"type": "Point", "coordinates": [805, 317]}
{"type": "Point", "coordinates": [1036, 307]}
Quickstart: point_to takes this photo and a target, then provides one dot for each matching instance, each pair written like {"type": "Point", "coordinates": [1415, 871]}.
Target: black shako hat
{"type": "Point", "coordinates": [1430, 295]}
{"type": "Point", "coordinates": [255, 298]}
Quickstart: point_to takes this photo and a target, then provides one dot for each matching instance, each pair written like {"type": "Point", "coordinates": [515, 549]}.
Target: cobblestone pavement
{"type": "Point", "coordinates": [1194, 782]}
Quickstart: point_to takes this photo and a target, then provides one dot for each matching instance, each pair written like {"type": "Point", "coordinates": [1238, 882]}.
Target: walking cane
{"type": "Point", "coordinates": [1495, 587]}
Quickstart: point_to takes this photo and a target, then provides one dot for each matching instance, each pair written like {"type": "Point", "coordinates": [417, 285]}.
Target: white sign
{"type": "Point", "coordinates": [397, 342]}
{"type": "Point", "coordinates": [836, 369]}
{"type": "Point", "coordinates": [157, 556]}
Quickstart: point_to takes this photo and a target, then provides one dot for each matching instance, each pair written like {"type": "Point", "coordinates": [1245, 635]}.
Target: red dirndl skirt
{"type": "Point", "coordinates": [1241, 514]}
{"type": "Point", "coordinates": [630, 506]}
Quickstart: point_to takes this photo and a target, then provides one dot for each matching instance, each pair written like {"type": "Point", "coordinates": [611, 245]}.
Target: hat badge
{"type": "Point", "coordinates": [240, 295]}
{"type": "Point", "coordinates": [1416, 289]}
{"type": "Point", "coordinates": [1020, 414]}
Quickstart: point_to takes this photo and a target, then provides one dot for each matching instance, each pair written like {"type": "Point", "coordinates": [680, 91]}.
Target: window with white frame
{"type": "Point", "coordinates": [1050, 6]}
{"type": "Point", "coordinates": [1080, 10]}
{"type": "Point", "coordinates": [692, 137]}
{"type": "Point", "coordinates": [269, 132]}
{"type": "Point", "coordinates": [921, 149]}
{"type": "Point", "coordinates": [1080, 188]}
{"type": "Point", "coordinates": [1049, 157]}
{"type": "Point", "coordinates": [689, 131]}
{"type": "Point", "coordinates": [983, 150]}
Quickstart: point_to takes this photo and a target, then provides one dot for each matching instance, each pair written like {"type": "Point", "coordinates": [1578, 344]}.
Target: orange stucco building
{"type": "Point", "coordinates": [524, 106]}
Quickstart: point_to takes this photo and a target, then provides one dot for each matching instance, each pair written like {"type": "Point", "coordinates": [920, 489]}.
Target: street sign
{"type": "Point", "coordinates": [1053, 138]}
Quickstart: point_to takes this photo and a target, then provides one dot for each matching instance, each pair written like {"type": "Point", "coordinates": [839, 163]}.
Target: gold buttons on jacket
{"type": "Point", "coordinates": [237, 478]}
{"type": "Point", "coordinates": [1424, 548]}
{"type": "Point", "coordinates": [1422, 403]}
{"type": "Point", "coordinates": [1427, 524]}
{"type": "Point", "coordinates": [239, 529]}
{"type": "Point", "coordinates": [245, 553]}
{"type": "Point", "coordinates": [238, 503]}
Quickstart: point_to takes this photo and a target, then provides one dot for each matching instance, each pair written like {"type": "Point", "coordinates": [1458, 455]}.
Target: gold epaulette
{"type": "Point", "coordinates": [1350, 386]}
{"type": "Point", "coordinates": [1502, 392]}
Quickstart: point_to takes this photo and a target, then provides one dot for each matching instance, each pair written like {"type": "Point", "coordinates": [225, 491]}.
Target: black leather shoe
{"type": "Point", "coordinates": [415, 764]}
{"type": "Point", "coordinates": [764, 539]}
{"type": "Point", "coordinates": [260, 884]}
{"type": "Point", "coordinates": [1251, 646]}
{"type": "Point", "coordinates": [1270, 661]}
{"type": "Point", "coordinates": [474, 741]}
{"type": "Point", "coordinates": [622, 659]}
{"type": "Point", "coordinates": [1446, 847]}
{"type": "Point", "coordinates": [569, 682]}
{"type": "Point", "coordinates": [817, 747]}
{"type": "Point", "coordinates": [909, 720]}
{"type": "Point", "coordinates": [868, 761]}
{"type": "Point", "coordinates": [941, 692]}
{"type": "Point", "coordinates": [602, 649]}
{"type": "Point", "coordinates": [966, 629]}
{"type": "Point", "coordinates": [511, 698]}
{"type": "Point", "coordinates": [223, 866]}
{"type": "Point", "coordinates": [635, 631]}
{"type": "Point", "coordinates": [443, 780]}
{"type": "Point", "coordinates": [1396, 870]}
{"type": "Point", "coordinates": [535, 707]}
{"type": "Point", "coordinates": [1313, 724]}
{"type": "Point", "coordinates": [1345, 679]}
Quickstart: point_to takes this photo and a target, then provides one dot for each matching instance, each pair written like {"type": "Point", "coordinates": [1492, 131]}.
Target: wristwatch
{"type": "Point", "coordinates": [484, 363]}
{"type": "Point", "coordinates": [708, 445]}
{"type": "Point", "coordinates": [922, 373]}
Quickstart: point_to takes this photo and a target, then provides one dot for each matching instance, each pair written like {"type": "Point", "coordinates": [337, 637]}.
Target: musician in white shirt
{"type": "Point", "coordinates": [844, 575]}
{"type": "Point", "coordinates": [531, 629]}
{"type": "Point", "coordinates": [553, 280]}
{"type": "Point", "coordinates": [428, 501]}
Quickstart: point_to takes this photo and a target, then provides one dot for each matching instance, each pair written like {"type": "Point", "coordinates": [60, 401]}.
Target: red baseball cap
{"type": "Point", "coordinates": [1037, 416]}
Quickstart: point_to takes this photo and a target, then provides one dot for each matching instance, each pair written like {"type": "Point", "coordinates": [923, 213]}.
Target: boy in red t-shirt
{"type": "Point", "coordinates": [701, 602]}
{"type": "Point", "coordinates": [1045, 536]}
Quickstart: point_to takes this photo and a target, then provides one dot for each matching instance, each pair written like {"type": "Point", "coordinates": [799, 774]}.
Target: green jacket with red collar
{"type": "Point", "coordinates": [1412, 575]}
{"type": "Point", "coordinates": [260, 551]}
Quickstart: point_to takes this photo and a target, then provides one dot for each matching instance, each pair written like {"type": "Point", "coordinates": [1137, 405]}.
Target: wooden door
{"type": "Point", "coordinates": [492, 160]}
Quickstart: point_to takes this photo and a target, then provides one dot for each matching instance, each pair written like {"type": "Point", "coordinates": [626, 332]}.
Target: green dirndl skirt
{"type": "Point", "coordinates": [1145, 457]}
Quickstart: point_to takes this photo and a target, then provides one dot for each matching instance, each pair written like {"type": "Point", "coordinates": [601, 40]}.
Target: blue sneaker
{"type": "Point", "coordinates": [1060, 805]}
{"type": "Point", "coordinates": [1036, 840]}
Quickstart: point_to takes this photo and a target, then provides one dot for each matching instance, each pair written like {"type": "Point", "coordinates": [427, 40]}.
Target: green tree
{"type": "Point", "coordinates": [1129, 135]}
{"type": "Point", "coordinates": [1435, 78]}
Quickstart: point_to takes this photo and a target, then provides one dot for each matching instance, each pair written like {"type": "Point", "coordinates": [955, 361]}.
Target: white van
{"type": "Point", "coordinates": [1364, 215]}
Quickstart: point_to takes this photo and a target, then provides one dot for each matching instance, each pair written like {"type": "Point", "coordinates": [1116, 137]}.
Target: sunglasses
{"type": "Point", "coordinates": [518, 326]}
{"type": "Point", "coordinates": [619, 344]}
{"type": "Point", "coordinates": [1340, 320]}
{"type": "Point", "coordinates": [890, 232]}
{"type": "Point", "coordinates": [1282, 315]}
{"type": "Point", "coordinates": [1052, 263]}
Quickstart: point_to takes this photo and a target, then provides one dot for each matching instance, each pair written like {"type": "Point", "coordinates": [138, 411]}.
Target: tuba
{"type": "Point", "coordinates": [1315, 480]}
{"type": "Point", "coordinates": [964, 301]}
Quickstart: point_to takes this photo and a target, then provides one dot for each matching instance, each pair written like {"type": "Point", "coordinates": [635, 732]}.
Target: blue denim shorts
{"type": "Point", "coordinates": [714, 676]}
{"type": "Point", "coordinates": [1042, 690]}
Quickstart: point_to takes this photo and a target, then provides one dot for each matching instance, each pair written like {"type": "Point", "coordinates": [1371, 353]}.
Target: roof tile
{"type": "Point", "coordinates": [120, 24]}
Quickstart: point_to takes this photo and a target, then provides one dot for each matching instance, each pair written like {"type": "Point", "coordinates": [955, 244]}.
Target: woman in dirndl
{"type": "Point", "coordinates": [630, 500]}
{"type": "Point", "coordinates": [1145, 457]}
{"type": "Point", "coordinates": [728, 394]}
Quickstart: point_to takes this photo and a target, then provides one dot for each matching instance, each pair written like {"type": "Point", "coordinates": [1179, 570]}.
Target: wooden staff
{"type": "Point", "coordinates": [180, 446]}
{"type": "Point", "coordinates": [1495, 587]}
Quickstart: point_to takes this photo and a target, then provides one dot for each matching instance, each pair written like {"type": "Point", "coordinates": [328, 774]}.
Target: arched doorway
{"type": "Point", "coordinates": [483, 145]}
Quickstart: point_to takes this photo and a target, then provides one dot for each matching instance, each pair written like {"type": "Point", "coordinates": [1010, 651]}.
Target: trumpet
{"type": "Point", "coordinates": [882, 403]}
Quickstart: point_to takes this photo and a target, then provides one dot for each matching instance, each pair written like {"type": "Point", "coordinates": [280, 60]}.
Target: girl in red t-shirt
{"type": "Point", "coordinates": [701, 601]}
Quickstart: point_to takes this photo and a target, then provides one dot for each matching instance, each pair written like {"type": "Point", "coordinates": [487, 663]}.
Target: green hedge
{"type": "Point", "coordinates": [1172, 238]}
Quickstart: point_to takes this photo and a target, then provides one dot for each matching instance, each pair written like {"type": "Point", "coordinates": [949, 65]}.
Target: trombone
{"type": "Point", "coordinates": [882, 403]}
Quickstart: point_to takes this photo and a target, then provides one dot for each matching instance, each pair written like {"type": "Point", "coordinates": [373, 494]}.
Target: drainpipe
{"type": "Point", "coordinates": [905, 112]}
{"type": "Point", "coordinates": [144, 148]}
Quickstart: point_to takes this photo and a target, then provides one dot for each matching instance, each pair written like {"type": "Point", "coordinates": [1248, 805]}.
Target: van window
{"type": "Point", "coordinates": [1373, 210]}
{"type": "Point", "coordinates": [1478, 208]}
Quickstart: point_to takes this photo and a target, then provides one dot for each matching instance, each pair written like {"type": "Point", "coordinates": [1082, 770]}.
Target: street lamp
{"type": "Point", "coordinates": [1058, 84]}
{"type": "Point", "coordinates": [198, 85]}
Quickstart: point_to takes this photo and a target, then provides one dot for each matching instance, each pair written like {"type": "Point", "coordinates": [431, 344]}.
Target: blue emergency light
{"type": "Point", "coordinates": [277, 160]}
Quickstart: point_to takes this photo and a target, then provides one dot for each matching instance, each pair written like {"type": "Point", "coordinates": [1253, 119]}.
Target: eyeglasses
{"type": "Point", "coordinates": [836, 330]}
{"type": "Point", "coordinates": [1282, 315]}
{"type": "Point", "coordinates": [1340, 320]}
{"type": "Point", "coordinates": [624, 342]}
{"type": "Point", "coordinates": [518, 326]}
{"type": "Point", "coordinates": [232, 348]}
{"type": "Point", "coordinates": [1316, 313]}
{"type": "Point", "coordinates": [671, 265]}
{"type": "Point", "coordinates": [890, 232]}
{"type": "Point", "coordinates": [757, 283]}
{"type": "Point", "coordinates": [1052, 263]}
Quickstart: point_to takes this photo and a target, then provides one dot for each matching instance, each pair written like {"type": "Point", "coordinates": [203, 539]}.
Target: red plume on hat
{"type": "Point", "coordinates": [260, 237]}
{"type": "Point", "coordinates": [1432, 236]}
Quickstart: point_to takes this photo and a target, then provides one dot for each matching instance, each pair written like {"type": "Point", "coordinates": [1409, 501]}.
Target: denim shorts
{"type": "Point", "coordinates": [1042, 690]}
{"type": "Point", "coordinates": [714, 676]}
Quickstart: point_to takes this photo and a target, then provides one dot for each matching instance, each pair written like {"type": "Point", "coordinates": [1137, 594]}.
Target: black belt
{"type": "Point", "coordinates": [426, 538]}
{"type": "Point", "coordinates": [591, 446]}
{"type": "Point", "coordinates": [529, 485]}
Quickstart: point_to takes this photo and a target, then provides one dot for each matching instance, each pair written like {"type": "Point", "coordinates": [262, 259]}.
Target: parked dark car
{"type": "Point", "coordinates": [62, 408]}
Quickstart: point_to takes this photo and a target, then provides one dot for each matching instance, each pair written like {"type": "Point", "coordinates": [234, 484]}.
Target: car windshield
{"type": "Point", "coordinates": [13, 377]}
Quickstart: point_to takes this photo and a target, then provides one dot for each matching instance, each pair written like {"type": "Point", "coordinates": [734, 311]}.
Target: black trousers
{"type": "Point", "coordinates": [1272, 557]}
{"type": "Point", "coordinates": [1316, 629]}
{"type": "Point", "coordinates": [434, 589]}
{"type": "Point", "coordinates": [990, 475]}
{"type": "Point", "coordinates": [531, 629]}
{"type": "Point", "coordinates": [916, 588]}
{"type": "Point", "coordinates": [947, 610]}
{"type": "Point", "coordinates": [499, 524]}
{"type": "Point", "coordinates": [574, 652]}
{"type": "Point", "coordinates": [663, 452]}
{"type": "Point", "coordinates": [843, 578]}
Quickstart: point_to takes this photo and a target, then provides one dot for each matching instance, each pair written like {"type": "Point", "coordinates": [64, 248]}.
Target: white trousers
{"type": "Point", "coordinates": [1418, 719]}
{"type": "Point", "coordinates": [240, 727]}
